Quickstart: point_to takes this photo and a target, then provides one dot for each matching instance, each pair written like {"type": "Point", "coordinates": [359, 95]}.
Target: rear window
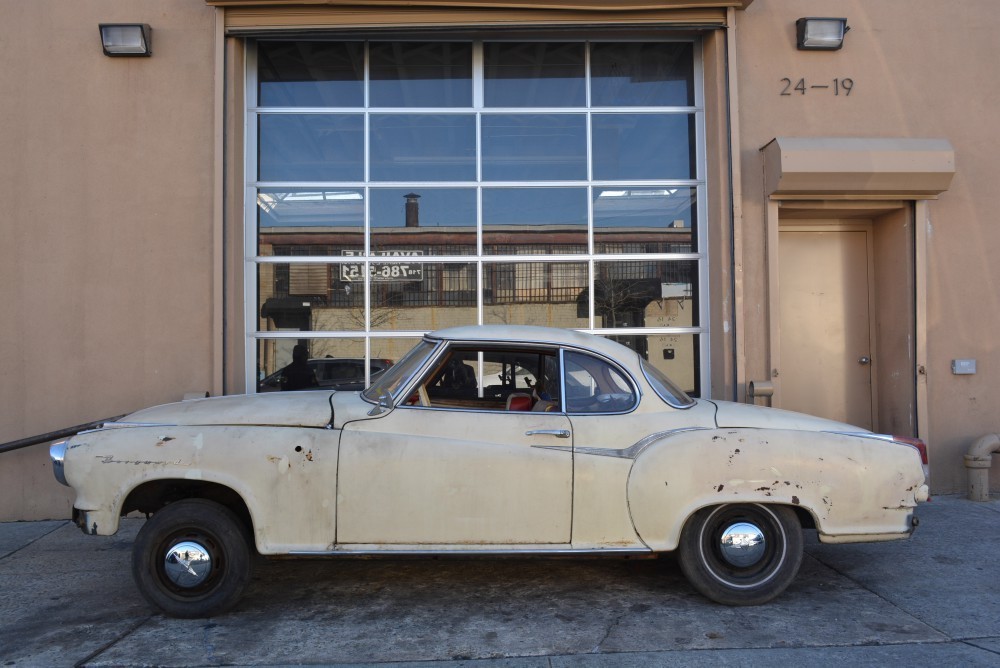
{"type": "Point", "coordinates": [664, 387]}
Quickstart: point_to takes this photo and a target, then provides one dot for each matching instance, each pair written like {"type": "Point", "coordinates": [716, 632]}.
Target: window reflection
{"type": "Point", "coordinates": [676, 355]}
{"type": "Point", "coordinates": [422, 296]}
{"type": "Point", "coordinates": [311, 147]}
{"type": "Point", "coordinates": [441, 179]}
{"type": "Point", "coordinates": [310, 74]}
{"type": "Point", "coordinates": [307, 221]}
{"type": "Point", "coordinates": [631, 74]}
{"type": "Point", "coordinates": [534, 74]}
{"type": "Point", "coordinates": [436, 221]}
{"type": "Point", "coordinates": [643, 146]}
{"type": "Point", "coordinates": [655, 293]}
{"type": "Point", "coordinates": [645, 220]}
{"type": "Point", "coordinates": [425, 147]}
{"type": "Point", "coordinates": [420, 74]}
{"type": "Point", "coordinates": [286, 365]}
{"type": "Point", "coordinates": [534, 293]}
{"type": "Point", "coordinates": [520, 221]}
{"type": "Point", "coordinates": [534, 147]}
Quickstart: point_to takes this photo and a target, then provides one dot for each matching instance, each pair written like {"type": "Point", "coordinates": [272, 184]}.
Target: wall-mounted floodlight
{"type": "Point", "coordinates": [126, 39]}
{"type": "Point", "coordinates": [820, 34]}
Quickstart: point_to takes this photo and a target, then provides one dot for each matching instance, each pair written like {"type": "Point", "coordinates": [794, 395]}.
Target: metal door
{"type": "Point", "coordinates": [826, 354]}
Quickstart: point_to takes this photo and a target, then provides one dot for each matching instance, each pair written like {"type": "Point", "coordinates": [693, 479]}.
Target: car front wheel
{"type": "Point", "coordinates": [741, 554]}
{"type": "Point", "coordinates": [192, 559]}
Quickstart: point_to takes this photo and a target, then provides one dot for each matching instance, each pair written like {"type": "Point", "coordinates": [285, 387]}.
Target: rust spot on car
{"type": "Point", "coordinates": [273, 459]}
{"type": "Point", "coordinates": [309, 455]}
{"type": "Point", "coordinates": [720, 488]}
{"type": "Point", "coordinates": [763, 489]}
{"type": "Point", "coordinates": [164, 439]}
{"type": "Point", "coordinates": [795, 500]}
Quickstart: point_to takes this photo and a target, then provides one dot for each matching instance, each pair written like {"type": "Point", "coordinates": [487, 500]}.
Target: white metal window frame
{"type": "Point", "coordinates": [252, 260]}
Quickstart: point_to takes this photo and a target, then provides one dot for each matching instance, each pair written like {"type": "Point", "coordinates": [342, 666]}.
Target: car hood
{"type": "Point", "coordinates": [284, 409]}
{"type": "Point", "coordinates": [729, 414]}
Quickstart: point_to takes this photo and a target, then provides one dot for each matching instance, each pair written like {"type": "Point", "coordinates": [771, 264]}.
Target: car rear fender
{"type": "Point", "coordinates": [854, 487]}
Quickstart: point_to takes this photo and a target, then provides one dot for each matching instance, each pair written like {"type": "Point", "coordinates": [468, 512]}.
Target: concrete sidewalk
{"type": "Point", "coordinates": [68, 599]}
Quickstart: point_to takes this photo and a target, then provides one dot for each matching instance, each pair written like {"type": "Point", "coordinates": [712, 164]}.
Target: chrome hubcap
{"type": "Point", "coordinates": [187, 564]}
{"type": "Point", "coordinates": [742, 544]}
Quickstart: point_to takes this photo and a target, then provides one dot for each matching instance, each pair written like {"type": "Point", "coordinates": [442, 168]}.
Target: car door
{"type": "Point", "coordinates": [609, 431]}
{"type": "Point", "coordinates": [463, 462]}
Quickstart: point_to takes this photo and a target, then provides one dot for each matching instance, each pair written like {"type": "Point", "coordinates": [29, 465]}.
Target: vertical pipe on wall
{"type": "Point", "coordinates": [921, 228]}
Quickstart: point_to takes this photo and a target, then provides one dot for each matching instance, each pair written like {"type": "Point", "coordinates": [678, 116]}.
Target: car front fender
{"type": "Point", "coordinates": [285, 476]}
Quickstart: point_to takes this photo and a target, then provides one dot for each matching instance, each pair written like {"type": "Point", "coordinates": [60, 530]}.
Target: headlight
{"type": "Point", "coordinates": [57, 451]}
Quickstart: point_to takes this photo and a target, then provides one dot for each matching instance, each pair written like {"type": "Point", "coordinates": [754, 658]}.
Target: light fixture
{"type": "Point", "coordinates": [820, 34]}
{"type": "Point", "coordinates": [126, 39]}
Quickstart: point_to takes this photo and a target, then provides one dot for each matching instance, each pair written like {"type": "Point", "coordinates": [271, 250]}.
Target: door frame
{"type": "Point", "coordinates": [833, 224]}
{"type": "Point", "coordinates": [782, 209]}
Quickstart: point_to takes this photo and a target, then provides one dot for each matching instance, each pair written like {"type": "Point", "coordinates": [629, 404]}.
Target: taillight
{"type": "Point", "coordinates": [916, 443]}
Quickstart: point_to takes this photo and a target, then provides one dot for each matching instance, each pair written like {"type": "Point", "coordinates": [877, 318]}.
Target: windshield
{"type": "Point", "coordinates": [393, 380]}
{"type": "Point", "coordinates": [665, 387]}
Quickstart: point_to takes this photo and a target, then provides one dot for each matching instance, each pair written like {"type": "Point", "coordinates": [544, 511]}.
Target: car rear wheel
{"type": "Point", "coordinates": [192, 559]}
{"type": "Point", "coordinates": [741, 554]}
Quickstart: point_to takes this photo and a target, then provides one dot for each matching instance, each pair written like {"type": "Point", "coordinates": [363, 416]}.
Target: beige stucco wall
{"type": "Point", "coordinates": [106, 262]}
{"type": "Point", "coordinates": [921, 68]}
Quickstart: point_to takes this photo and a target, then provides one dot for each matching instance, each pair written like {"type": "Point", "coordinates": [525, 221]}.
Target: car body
{"type": "Point", "coordinates": [496, 440]}
{"type": "Point", "coordinates": [332, 373]}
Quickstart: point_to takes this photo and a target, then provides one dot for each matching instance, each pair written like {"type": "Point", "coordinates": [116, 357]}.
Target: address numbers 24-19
{"type": "Point", "coordinates": [842, 86]}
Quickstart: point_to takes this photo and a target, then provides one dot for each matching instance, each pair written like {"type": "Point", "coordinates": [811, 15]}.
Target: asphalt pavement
{"type": "Point", "coordinates": [68, 600]}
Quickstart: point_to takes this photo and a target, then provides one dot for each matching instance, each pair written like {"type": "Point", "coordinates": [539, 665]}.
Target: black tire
{"type": "Point", "coordinates": [749, 574]}
{"type": "Point", "coordinates": [166, 567]}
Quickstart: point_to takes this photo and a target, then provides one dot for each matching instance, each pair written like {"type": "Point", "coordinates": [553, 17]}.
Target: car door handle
{"type": "Point", "coordinates": [559, 433]}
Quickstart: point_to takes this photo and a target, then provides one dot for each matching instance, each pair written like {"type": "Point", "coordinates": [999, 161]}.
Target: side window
{"type": "Point", "coordinates": [495, 379]}
{"type": "Point", "coordinates": [595, 386]}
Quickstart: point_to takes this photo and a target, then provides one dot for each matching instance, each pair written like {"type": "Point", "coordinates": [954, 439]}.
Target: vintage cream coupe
{"type": "Point", "coordinates": [487, 440]}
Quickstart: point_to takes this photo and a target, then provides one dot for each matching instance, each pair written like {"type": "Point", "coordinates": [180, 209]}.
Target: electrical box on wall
{"type": "Point", "coordinates": [963, 367]}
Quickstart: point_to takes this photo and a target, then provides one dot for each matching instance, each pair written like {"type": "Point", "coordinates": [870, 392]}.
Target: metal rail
{"type": "Point", "coordinates": [54, 435]}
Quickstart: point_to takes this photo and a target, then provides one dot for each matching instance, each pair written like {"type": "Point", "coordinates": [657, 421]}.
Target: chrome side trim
{"type": "Point", "coordinates": [631, 452]}
{"type": "Point", "coordinates": [124, 425]}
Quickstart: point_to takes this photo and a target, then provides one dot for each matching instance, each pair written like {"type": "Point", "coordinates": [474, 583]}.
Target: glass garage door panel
{"type": "Point", "coordinates": [399, 187]}
{"type": "Point", "coordinates": [311, 147]}
{"type": "Point", "coordinates": [423, 147]}
{"type": "Point", "coordinates": [534, 74]}
{"type": "Point", "coordinates": [311, 74]}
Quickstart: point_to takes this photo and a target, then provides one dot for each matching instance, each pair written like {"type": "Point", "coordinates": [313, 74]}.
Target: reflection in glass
{"type": "Point", "coordinates": [437, 221]}
{"type": "Point", "coordinates": [309, 221]}
{"type": "Point", "coordinates": [534, 147]}
{"type": "Point", "coordinates": [519, 221]}
{"type": "Point", "coordinates": [643, 146]}
{"type": "Point", "coordinates": [645, 220]}
{"type": "Point", "coordinates": [298, 296]}
{"type": "Point", "coordinates": [422, 296]}
{"type": "Point", "coordinates": [425, 147]}
{"type": "Point", "coordinates": [676, 355]}
{"type": "Point", "coordinates": [311, 147]}
{"type": "Point", "coordinates": [635, 74]}
{"type": "Point", "coordinates": [534, 74]}
{"type": "Point", "coordinates": [640, 293]}
{"type": "Point", "coordinates": [534, 293]}
{"type": "Point", "coordinates": [420, 74]}
{"type": "Point", "coordinates": [322, 364]}
{"type": "Point", "coordinates": [310, 74]}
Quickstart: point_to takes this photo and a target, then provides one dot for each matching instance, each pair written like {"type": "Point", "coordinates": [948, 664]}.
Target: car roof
{"type": "Point", "coordinates": [536, 334]}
